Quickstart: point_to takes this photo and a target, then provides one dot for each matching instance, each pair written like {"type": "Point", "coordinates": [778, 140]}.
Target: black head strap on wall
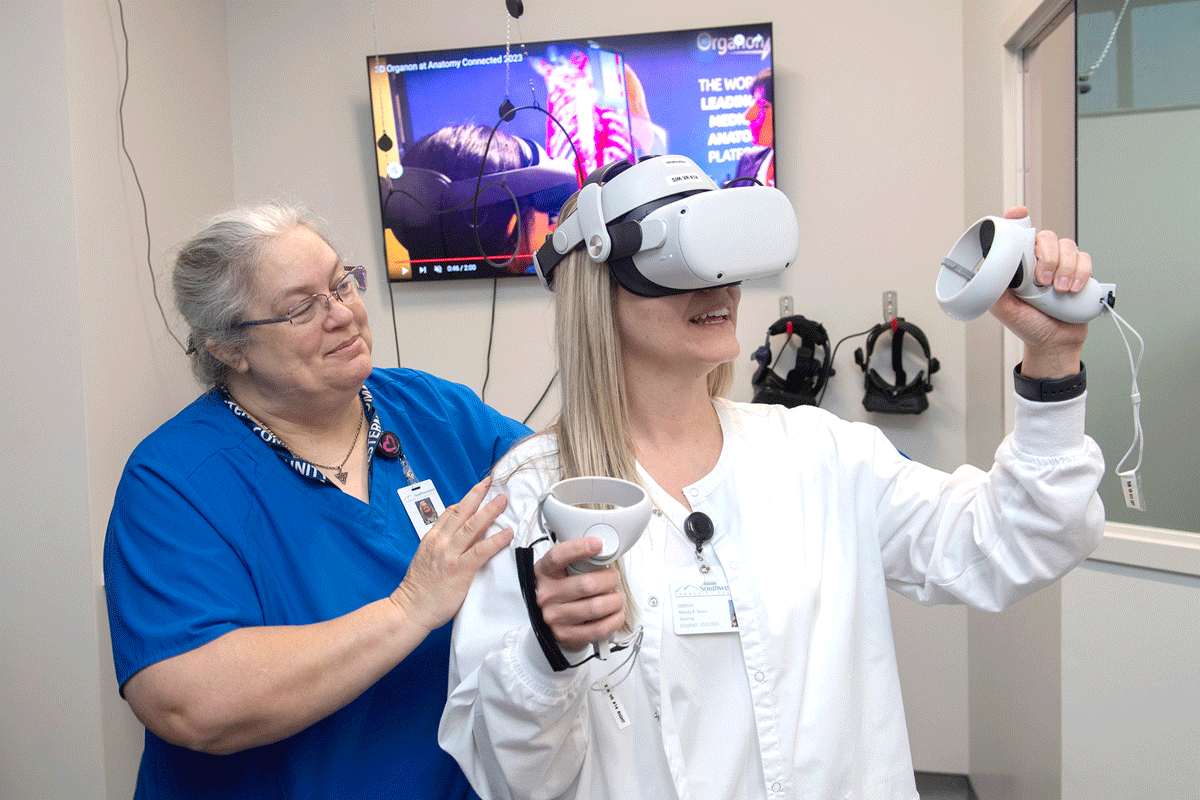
{"type": "Point", "coordinates": [805, 380]}
{"type": "Point", "coordinates": [903, 396]}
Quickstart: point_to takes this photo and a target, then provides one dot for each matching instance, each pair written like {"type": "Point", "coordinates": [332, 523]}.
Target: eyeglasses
{"type": "Point", "coordinates": [346, 291]}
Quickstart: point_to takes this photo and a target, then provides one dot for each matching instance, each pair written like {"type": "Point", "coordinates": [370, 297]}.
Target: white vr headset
{"type": "Point", "coordinates": [663, 228]}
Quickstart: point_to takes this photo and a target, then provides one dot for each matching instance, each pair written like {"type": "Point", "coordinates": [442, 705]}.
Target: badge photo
{"type": "Point", "coordinates": [423, 505]}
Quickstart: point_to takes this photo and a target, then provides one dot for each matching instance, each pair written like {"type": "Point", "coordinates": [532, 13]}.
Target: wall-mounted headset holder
{"type": "Point", "coordinates": [807, 377]}
{"type": "Point", "coordinates": [901, 396]}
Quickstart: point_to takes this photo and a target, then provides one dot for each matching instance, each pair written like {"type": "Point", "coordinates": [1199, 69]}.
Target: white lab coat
{"type": "Point", "coordinates": [814, 517]}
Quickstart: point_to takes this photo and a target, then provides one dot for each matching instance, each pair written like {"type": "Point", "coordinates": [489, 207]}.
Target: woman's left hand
{"type": "Point", "coordinates": [449, 555]}
{"type": "Point", "coordinates": [1052, 347]}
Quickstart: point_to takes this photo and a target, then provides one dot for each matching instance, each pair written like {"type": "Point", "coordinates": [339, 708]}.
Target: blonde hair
{"type": "Point", "coordinates": [592, 428]}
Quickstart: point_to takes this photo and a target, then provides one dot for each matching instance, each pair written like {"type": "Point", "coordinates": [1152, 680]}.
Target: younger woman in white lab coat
{"type": "Point", "coordinates": [795, 694]}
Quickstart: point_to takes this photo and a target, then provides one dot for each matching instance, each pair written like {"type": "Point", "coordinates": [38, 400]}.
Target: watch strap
{"type": "Point", "coordinates": [1050, 390]}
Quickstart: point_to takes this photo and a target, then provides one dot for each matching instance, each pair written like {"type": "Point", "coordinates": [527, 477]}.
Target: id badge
{"type": "Point", "coordinates": [698, 607]}
{"type": "Point", "coordinates": [423, 505]}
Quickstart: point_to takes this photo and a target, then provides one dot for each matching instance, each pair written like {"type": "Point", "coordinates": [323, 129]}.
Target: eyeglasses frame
{"type": "Point", "coordinates": [360, 278]}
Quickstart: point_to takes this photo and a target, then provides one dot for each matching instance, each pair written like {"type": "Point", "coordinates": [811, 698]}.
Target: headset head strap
{"type": "Point", "coordinates": [902, 396]}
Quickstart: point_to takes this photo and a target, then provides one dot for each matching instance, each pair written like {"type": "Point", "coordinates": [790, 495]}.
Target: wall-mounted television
{"type": "Point", "coordinates": [450, 214]}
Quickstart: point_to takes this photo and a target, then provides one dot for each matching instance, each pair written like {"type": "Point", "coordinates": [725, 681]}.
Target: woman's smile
{"type": "Point", "coordinates": [347, 347]}
{"type": "Point", "coordinates": [714, 317]}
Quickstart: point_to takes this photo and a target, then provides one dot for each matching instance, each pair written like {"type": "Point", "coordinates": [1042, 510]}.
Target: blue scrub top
{"type": "Point", "coordinates": [212, 529]}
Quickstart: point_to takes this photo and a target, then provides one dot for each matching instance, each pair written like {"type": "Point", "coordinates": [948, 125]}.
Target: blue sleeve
{"type": "Point", "coordinates": [173, 580]}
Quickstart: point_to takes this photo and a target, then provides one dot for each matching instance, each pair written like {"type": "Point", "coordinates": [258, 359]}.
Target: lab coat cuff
{"type": "Point", "coordinates": [534, 661]}
{"type": "Point", "coordinates": [1047, 430]}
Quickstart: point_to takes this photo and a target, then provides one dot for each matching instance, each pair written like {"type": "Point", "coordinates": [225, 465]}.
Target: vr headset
{"type": "Point", "coordinates": [663, 228]}
{"type": "Point", "coordinates": [806, 379]}
{"type": "Point", "coordinates": [903, 396]}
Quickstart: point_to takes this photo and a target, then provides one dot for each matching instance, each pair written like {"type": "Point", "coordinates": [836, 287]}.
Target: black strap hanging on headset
{"type": "Point", "coordinates": [903, 396]}
{"type": "Point", "coordinates": [812, 369]}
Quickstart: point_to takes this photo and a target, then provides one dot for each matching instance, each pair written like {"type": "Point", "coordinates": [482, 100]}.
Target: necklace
{"type": "Point", "coordinates": [339, 471]}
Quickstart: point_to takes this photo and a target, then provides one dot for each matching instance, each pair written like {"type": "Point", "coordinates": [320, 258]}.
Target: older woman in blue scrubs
{"type": "Point", "coordinates": [279, 603]}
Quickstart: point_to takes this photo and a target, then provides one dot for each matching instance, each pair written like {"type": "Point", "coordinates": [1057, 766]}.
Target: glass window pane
{"type": "Point", "coordinates": [1147, 60]}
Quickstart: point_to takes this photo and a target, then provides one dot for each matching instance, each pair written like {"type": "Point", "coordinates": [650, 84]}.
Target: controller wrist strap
{"type": "Point", "coordinates": [545, 638]}
{"type": "Point", "coordinates": [1131, 479]}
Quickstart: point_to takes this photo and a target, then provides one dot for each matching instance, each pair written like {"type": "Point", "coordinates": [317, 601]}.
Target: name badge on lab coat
{"type": "Point", "coordinates": [698, 607]}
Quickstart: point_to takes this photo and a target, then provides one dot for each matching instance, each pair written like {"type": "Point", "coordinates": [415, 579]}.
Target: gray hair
{"type": "Point", "coordinates": [215, 278]}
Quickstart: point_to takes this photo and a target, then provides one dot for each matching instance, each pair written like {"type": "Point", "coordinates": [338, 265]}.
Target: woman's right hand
{"type": "Point", "coordinates": [579, 608]}
{"type": "Point", "coordinates": [448, 557]}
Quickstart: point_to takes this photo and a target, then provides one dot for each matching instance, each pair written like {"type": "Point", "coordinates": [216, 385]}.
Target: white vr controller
{"type": "Point", "coordinates": [614, 511]}
{"type": "Point", "coordinates": [619, 512]}
{"type": "Point", "coordinates": [997, 254]}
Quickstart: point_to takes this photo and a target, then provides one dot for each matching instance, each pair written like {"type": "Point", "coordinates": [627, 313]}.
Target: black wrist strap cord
{"type": "Point", "coordinates": [554, 654]}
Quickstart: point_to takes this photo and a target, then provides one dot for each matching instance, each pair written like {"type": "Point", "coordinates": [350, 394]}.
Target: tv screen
{"type": "Point", "coordinates": [464, 194]}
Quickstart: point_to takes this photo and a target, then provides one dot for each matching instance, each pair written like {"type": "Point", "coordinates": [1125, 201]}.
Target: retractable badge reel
{"type": "Point", "coordinates": [996, 254]}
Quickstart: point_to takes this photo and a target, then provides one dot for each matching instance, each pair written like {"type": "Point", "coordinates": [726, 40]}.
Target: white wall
{"type": "Point", "coordinates": [51, 742]}
{"type": "Point", "coordinates": [1130, 697]}
{"type": "Point", "coordinates": [89, 367]}
{"type": "Point", "coordinates": [237, 101]}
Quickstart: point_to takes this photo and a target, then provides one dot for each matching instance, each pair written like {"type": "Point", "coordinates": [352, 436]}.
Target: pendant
{"type": "Point", "coordinates": [341, 476]}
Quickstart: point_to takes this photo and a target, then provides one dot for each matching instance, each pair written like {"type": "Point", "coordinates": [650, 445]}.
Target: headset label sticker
{"type": "Point", "coordinates": [687, 177]}
{"type": "Point", "coordinates": [617, 709]}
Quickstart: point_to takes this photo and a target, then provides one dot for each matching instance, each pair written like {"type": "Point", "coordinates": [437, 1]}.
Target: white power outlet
{"type": "Point", "coordinates": [785, 306]}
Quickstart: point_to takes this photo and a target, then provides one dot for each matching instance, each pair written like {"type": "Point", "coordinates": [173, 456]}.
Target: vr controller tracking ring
{"type": "Point", "coordinates": [618, 514]}
{"type": "Point", "coordinates": [996, 254]}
